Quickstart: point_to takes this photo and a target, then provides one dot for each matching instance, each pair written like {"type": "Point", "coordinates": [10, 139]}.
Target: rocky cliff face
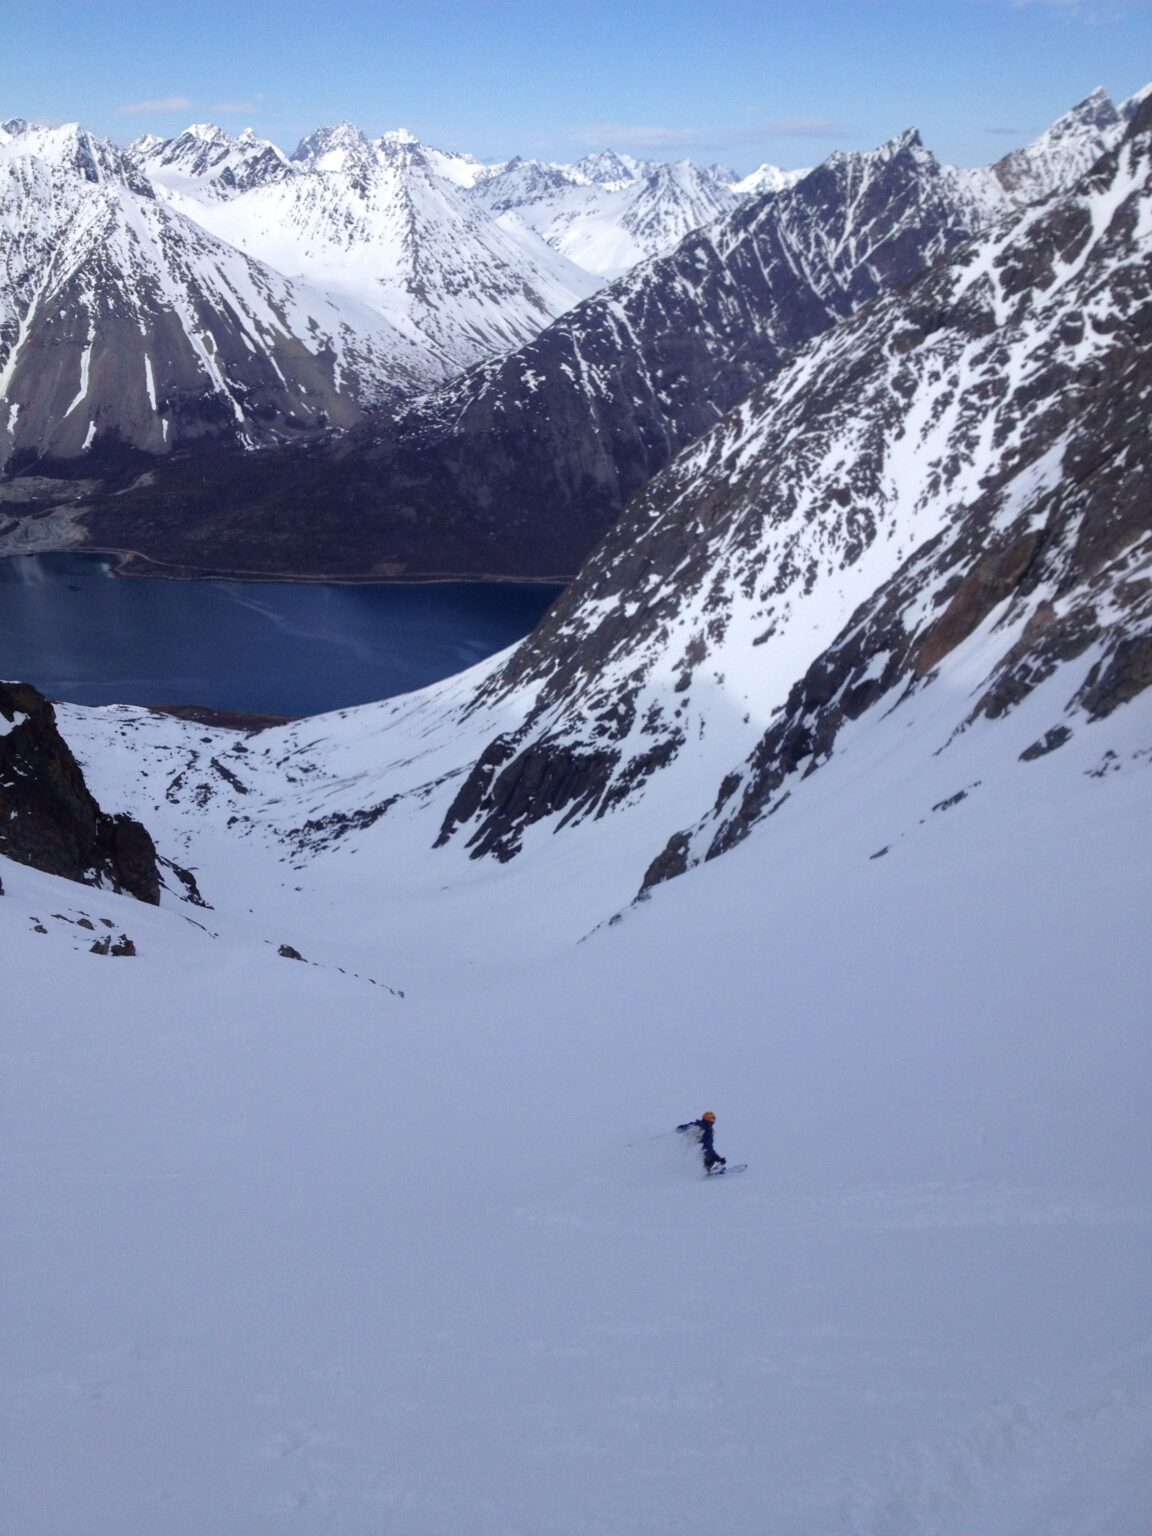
{"type": "Point", "coordinates": [48, 817]}
{"type": "Point", "coordinates": [953, 484]}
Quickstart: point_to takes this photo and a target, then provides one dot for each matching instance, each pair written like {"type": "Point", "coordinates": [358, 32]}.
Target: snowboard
{"type": "Point", "coordinates": [728, 1168]}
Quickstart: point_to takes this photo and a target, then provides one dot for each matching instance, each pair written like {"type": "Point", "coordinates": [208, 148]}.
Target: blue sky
{"type": "Point", "coordinates": [740, 81]}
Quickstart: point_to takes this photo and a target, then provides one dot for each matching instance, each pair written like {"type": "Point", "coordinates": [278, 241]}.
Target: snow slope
{"type": "Point", "coordinates": [767, 178]}
{"type": "Point", "coordinates": [292, 1252]}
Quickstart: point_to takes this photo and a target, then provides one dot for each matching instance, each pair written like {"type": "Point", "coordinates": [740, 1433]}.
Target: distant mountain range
{"type": "Point", "coordinates": [208, 291]}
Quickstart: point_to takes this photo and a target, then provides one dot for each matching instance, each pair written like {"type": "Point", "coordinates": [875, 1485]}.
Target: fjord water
{"type": "Point", "coordinates": [82, 634]}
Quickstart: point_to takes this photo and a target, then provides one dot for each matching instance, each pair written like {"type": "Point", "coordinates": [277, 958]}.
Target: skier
{"type": "Point", "coordinates": [701, 1132]}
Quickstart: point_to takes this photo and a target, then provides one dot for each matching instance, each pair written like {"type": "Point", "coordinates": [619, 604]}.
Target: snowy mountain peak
{"type": "Point", "coordinates": [906, 146]}
{"type": "Point", "coordinates": [1096, 111]}
{"type": "Point", "coordinates": [209, 133]}
{"type": "Point", "coordinates": [680, 173]}
{"type": "Point", "coordinates": [902, 144]}
{"type": "Point", "coordinates": [71, 150]}
{"type": "Point", "coordinates": [519, 184]}
{"type": "Point", "coordinates": [329, 148]}
{"type": "Point", "coordinates": [1096, 107]}
{"type": "Point", "coordinates": [204, 162]}
{"type": "Point", "coordinates": [765, 178]}
{"type": "Point", "coordinates": [607, 168]}
{"type": "Point", "coordinates": [675, 198]}
{"type": "Point", "coordinates": [399, 136]}
{"type": "Point", "coordinates": [607, 212]}
{"type": "Point", "coordinates": [1063, 152]}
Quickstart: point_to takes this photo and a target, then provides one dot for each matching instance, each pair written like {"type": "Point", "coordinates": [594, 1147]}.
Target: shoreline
{"type": "Point", "coordinates": [126, 559]}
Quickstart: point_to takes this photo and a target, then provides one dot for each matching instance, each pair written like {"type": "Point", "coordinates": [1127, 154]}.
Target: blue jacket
{"type": "Point", "coordinates": [705, 1128]}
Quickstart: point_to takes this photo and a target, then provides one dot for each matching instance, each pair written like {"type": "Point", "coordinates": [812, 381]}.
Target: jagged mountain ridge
{"type": "Point", "coordinates": [1065, 151]}
{"type": "Point", "coordinates": [966, 464]}
{"type": "Point", "coordinates": [604, 223]}
{"type": "Point", "coordinates": [207, 163]}
{"type": "Point", "coordinates": [388, 223]}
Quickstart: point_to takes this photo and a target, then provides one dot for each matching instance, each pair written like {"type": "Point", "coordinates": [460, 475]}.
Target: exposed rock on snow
{"type": "Point", "coordinates": [49, 819]}
{"type": "Point", "coordinates": [206, 162]}
{"type": "Point", "coordinates": [1066, 150]}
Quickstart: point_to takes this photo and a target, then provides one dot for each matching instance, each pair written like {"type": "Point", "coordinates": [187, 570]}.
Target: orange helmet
{"type": "Point", "coordinates": [708, 1115]}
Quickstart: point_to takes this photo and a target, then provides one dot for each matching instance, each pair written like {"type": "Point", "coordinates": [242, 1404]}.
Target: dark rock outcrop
{"type": "Point", "coordinates": [49, 819]}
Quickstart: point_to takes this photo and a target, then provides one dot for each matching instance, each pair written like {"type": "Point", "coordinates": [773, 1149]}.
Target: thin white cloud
{"type": "Point", "coordinates": [796, 128]}
{"type": "Point", "coordinates": [650, 136]}
{"type": "Point", "coordinates": [1090, 11]}
{"type": "Point", "coordinates": [645, 135]}
{"type": "Point", "coordinates": [163, 104]}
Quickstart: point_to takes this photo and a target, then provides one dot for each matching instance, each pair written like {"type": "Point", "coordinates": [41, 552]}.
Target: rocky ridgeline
{"type": "Point", "coordinates": [972, 450]}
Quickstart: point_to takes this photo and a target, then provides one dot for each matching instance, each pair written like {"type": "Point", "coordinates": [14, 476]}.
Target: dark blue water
{"type": "Point", "coordinates": [81, 634]}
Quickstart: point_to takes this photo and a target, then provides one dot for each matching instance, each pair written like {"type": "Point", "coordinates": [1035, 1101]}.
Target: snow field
{"type": "Point", "coordinates": [295, 1254]}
